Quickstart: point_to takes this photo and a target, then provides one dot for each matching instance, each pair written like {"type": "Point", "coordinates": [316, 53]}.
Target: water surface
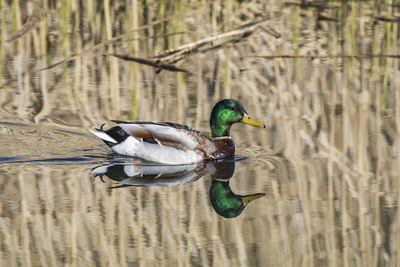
{"type": "Point", "coordinates": [323, 77]}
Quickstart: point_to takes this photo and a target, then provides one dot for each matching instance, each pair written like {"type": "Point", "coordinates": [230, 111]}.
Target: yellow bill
{"type": "Point", "coordinates": [246, 119]}
{"type": "Point", "coordinates": [247, 199]}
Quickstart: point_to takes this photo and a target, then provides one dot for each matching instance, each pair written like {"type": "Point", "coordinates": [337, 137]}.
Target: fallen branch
{"type": "Point", "coordinates": [387, 19]}
{"type": "Point", "coordinates": [154, 63]}
{"type": "Point", "coordinates": [200, 49]}
{"type": "Point", "coordinates": [322, 17]}
{"type": "Point", "coordinates": [243, 32]}
{"type": "Point", "coordinates": [315, 4]}
{"type": "Point", "coordinates": [327, 56]}
{"type": "Point", "coordinates": [189, 48]}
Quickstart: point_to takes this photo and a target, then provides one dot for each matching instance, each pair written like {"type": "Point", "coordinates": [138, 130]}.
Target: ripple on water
{"type": "Point", "coordinates": [38, 144]}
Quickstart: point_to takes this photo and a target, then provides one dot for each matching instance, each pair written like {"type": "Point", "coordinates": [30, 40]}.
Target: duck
{"type": "Point", "coordinates": [174, 144]}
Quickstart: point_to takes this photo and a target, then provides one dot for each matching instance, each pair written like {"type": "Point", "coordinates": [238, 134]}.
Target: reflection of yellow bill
{"type": "Point", "coordinates": [247, 120]}
{"type": "Point", "coordinates": [247, 199]}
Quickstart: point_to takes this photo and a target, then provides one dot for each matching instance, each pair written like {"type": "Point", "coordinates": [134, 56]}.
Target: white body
{"type": "Point", "coordinates": [156, 152]}
{"type": "Point", "coordinates": [178, 146]}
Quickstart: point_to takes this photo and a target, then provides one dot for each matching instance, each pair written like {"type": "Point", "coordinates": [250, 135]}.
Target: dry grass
{"type": "Point", "coordinates": [332, 198]}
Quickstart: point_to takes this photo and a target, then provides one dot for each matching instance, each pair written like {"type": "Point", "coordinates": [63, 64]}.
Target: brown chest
{"type": "Point", "coordinates": [224, 147]}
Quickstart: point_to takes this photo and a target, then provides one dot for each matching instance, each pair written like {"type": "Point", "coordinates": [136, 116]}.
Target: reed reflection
{"type": "Point", "coordinates": [137, 173]}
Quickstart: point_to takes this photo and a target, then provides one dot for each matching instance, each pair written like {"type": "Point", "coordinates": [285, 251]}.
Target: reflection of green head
{"type": "Point", "coordinates": [225, 202]}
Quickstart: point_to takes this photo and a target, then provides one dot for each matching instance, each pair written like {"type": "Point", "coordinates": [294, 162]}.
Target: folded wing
{"type": "Point", "coordinates": [163, 142]}
{"type": "Point", "coordinates": [166, 133]}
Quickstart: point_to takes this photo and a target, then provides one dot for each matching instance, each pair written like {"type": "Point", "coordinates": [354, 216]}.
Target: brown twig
{"type": "Point", "coordinates": [244, 31]}
{"type": "Point", "coordinates": [326, 56]}
{"type": "Point", "coordinates": [29, 24]}
{"type": "Point", "coordinates": [386, 19]}
{"type": "Point", "coordinates": [322, 17]}
{"type": "Point", "coordinates": [271, 31]}
{"type": "Point", "coordinates": [154, 63]}
{"type": "Point", "coordinates": [315, 4]}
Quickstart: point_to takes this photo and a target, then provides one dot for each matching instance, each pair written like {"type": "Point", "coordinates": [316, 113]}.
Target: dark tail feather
{"type": "Point", "coordinates": [111, 137]}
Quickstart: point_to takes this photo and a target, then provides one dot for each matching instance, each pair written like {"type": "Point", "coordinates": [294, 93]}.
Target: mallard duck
{"type": "Point", "coordinates": [172, 143]}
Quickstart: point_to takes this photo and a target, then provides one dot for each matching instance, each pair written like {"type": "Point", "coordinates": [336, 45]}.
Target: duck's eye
{"type": "Point", "coordinates": [235, 109]}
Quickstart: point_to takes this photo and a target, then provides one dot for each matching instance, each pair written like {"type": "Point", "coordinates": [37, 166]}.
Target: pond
{"type": "Point", "coordinates": [319, 186]}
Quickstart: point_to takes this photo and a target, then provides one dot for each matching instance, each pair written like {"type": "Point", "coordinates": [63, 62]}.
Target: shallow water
{"type": "Point", "coordinates": [325, 169]}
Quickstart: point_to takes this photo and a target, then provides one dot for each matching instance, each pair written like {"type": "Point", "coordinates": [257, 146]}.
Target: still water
{"type": "Point", "coordinates": [322, 180]}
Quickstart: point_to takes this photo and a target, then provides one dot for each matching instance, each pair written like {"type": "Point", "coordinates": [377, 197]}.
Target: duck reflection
{"type": "Point", "coordinates": [144, 174]}
{"type": "Point", "coordinates": [225, 202]}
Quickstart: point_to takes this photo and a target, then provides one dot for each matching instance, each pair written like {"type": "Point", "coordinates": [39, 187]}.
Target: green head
{"type": "Point", "coordinates": [225, 202]}
{"type": "Point", "coordinates": [225, 113]}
